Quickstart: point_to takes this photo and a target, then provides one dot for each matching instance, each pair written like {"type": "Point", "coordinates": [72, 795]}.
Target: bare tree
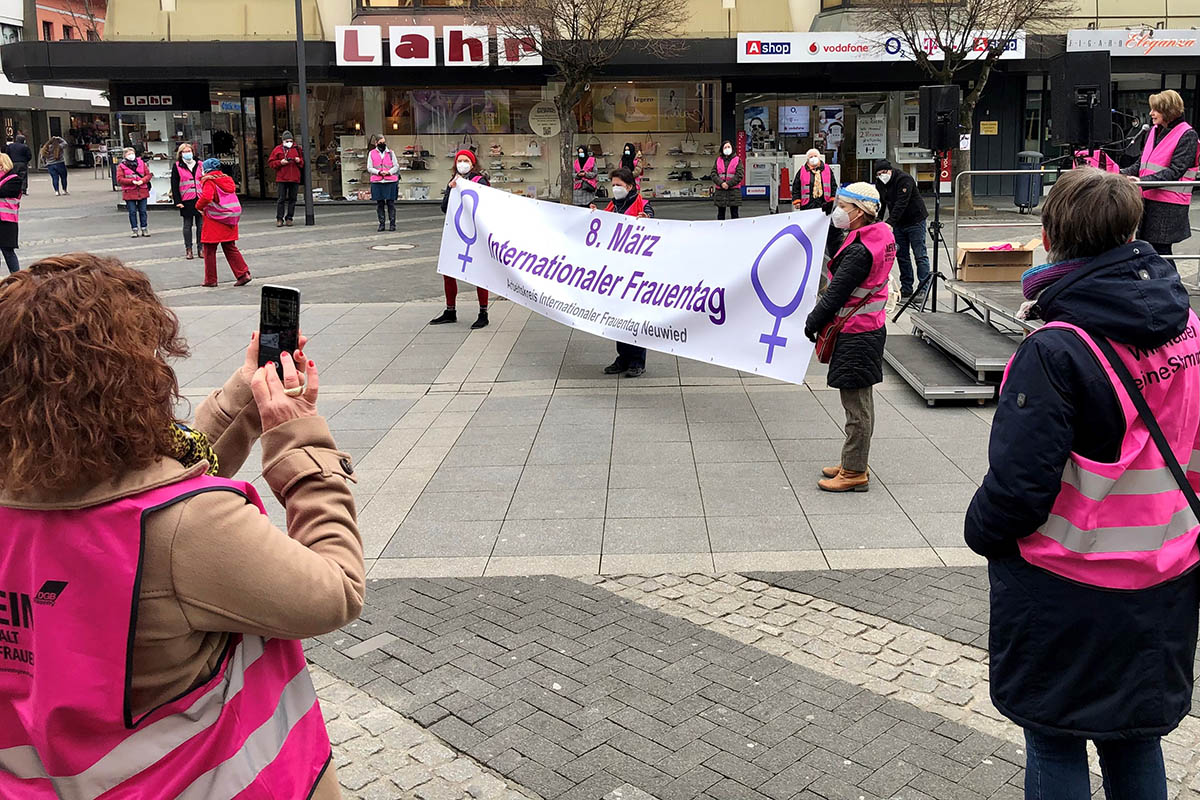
{"type": "Point", "coordinates": [83, 12]}
{"type": "Point", "coordinates": [579, 38]}
{"type": "Point", "coordinates": [953, 39]}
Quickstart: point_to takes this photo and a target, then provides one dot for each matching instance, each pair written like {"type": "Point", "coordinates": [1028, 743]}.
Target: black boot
{"type": "Point", "coordinates": [448, 316]}
{"type": "Point", "coordinates": [392, 225]}
{"type": "Point", "coordinates": [481, 321]}
{"type": "Point", "coordinates": [615, 368]}
{"type": "Point", "coordinates": [381, 226]}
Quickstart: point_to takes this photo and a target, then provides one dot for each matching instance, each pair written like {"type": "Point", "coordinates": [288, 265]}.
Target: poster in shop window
{"type": "Point", "coordinates": [794, 120]}
{"type": "Point", "coordinates": [872, 136]}
{"type": "Point", "coordinates": [833, 125]}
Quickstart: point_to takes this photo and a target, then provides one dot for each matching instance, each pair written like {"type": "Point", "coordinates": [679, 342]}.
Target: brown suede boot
{"type": "Point", "coordinates": [831, 472]}
{"type": "Point", "coordinates": [845, 482]}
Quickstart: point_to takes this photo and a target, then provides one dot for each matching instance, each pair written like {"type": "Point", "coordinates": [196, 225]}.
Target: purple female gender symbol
{"type": "Point", "coordinates": [465, 258]}
{"type": "Point", "coordinates": [773, 339]}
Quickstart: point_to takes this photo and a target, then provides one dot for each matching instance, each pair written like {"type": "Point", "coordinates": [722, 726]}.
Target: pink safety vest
{"type": "Point", "coordinates": [1097, 158]}
{"type": "Point", "coordinates": [69, 582]}
{"type": "Point", "coordinates": [806, 183]}
{"type": "Point", "coordinates": [189, 182]}
{"type": "Point", "coordinates": [728, 172]}
{"type": "Point", "coordinates": [10, 207]}
{"type": "Point", "coordinates": [1127, 525]}
{"type": "Point", "coordinates": [225, 207]}
{"type": "Point", "coordinates": [383, 160]}
{"type": "Point", "coordinates": [1157, 156]}
{"type": "Point", "coordinates": [871, 316]}
{"type": "Point", "coordinates": [589, 166]}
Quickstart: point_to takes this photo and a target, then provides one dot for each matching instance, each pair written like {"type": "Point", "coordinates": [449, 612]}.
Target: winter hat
{"type": "Point", "coordinates": [211, 164]}
{"type": "Point", "coordinates": [287, 135]}
{"type": "Point", "coordinates": [883, 165]}
{"type": "Point", "coordinates": [469, 154]}
{"type": "Point", "coordinates": [861, 195]}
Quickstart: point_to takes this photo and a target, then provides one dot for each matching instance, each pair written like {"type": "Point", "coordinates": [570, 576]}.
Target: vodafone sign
{"type": "Point", "coordinates": [775, 48]}
{"type": "Point", "coordinates": [416, 46]}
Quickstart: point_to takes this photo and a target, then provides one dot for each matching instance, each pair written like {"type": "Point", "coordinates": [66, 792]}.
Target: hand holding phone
{"type": "Point", "coordinates": [279, 325]}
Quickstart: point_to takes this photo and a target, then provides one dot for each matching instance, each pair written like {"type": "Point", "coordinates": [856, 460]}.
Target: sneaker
{"type": "Point", "coordinates": [209, 285]}
{"type": "Point", "coordinates": [681, 164]}
{"type": "Point", "coordinates": [615, 368]}
{"type": "Point", "coordinates": [134, 235]}
{"type": "Point", "coordinates": [448, 316]}
{"type": "Point", "coordinates": [242, 281]}
{"type": "Point", "coordinates": [146, 232]}
{"type": "Point", "coordinates": [481, 321]}
{"type": "Point", "coordinates": [278, 223]}
{"type": "Point", "coordinates": [288, 223]}
{"type": "Point", "coordinates": [189, 255]}
{"type": "Point", "coordinates": [635, 372]}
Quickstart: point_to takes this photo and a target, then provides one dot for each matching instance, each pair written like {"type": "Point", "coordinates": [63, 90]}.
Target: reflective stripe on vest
{"type": "Point", "coordinates": [224, 208]}
{"type": "Point", "coordinates": [189, 183]}
{"type": "Point", "coordinates": [881, 243]}
{"type": "Point", "coordinates": [10, 207]}
{"type": "Point", "coordinates": [728, 172]}
{"type": "Point", "coordinates": [66, 728]}
{"type": "Point", "coordinates": [383, 161]}
{"type": "Point", "coordinates": [587, 166]}
{"type": "Point", "coordinates": [1157, 156]}
{"type": "Point", "coordinates": [806, 183]}
{"type": "Point", "coordinates": [1127, 524]}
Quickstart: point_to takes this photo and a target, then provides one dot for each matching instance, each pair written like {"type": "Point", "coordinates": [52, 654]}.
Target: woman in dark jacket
{"type": "Point", "coordinates": [10, 207]}
{"type": "Point", "coordinates": [631, 159]}
{"type": "Point", "coordinates": [858, 275]}
{"type": "Point", "coordinates": [1089, 640]}
{"type": "Point", "coordinates": [185, 188]}
{"type": "Point", "coordinates": [727, 176]}
{"type": "Point", "coordinates": [1165, 219]}
{"type": "Point", "coordinates": [466, 168]}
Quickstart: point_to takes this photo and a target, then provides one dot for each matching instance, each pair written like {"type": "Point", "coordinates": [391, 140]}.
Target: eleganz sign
{"type": "Point", "coordinates": [416, 46]}
{"type": "Point", "coordinates": [760, 48]}
{"type": "Point", "coordinates": [1140, 42]}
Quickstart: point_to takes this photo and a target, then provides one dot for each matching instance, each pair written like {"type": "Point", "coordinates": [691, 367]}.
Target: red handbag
{"type": "Point", "coordinates": [827, 338]}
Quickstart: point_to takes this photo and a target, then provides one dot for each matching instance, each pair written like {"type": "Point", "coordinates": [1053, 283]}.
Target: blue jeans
{"type": "Point", "coordinates": [58, 174]}
{"type": "Point", "coordinates": [1057, 768]}
{"type": "Point", "coordinates": [913, 236]}
{"type": "Point", "coordinates": [137, 210]}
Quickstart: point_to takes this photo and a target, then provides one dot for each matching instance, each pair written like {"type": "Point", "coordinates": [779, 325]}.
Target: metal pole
{"type": "Point", "coordinates": [310, 217]}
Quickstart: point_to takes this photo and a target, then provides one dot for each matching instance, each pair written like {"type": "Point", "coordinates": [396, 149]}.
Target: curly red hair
{"type": "Point", "coordinates": [86, 392]}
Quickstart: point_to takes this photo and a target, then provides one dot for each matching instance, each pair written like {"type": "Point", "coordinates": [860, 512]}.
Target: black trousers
{"type": "Point", "coordinates": [22, 169]}
{"type": "Point", "coordinates": [288, 192]}
{"type": "Point", "coordinates": [191, 217]}
{"type": "Point", "coordinates": [630, 355]}
{"type": "Point", "coordinates": [391, 210]}
{"type": "Point", "coordinates": [733, 212]}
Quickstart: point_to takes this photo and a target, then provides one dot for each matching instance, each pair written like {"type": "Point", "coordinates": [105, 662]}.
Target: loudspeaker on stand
{"type": "Point", "coordinates": [940, 107]}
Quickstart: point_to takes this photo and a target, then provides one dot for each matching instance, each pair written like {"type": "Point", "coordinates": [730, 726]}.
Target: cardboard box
{"type": "Point", "coordinates": [977, 262]}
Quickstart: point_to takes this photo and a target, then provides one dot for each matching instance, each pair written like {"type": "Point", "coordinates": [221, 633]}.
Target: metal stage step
{"type": "Point", "coordinates": [980, 347]}
{"type": "Point", "coordinates": [934, 375]}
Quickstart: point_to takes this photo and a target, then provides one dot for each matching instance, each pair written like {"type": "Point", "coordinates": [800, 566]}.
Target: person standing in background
{"type": "Point", "coordinates": [857, 294]}
{"type": "Point", "coordinates": [385, 179]}
{"type": "Point", "coordinates": [133, 176]}
{"type": "Point", "coordinates": [1168, 154]}
{"type": "Point", "coordinates": [584, 189]}
{"type": "Point", "coordinates": [222, 211]}
{"type": "Point", "coordinates": [815, 186]}
{"type": "Point", "coordinates": [906, 214]}
{"type": "Point", "coordinates": [631, 359]}
{"type": "Point", "coordinates": [10, 212]}
{"type": "Point", "coordinates": [54, 156]}
{"type": "Point", "coordinates": [21, 155]}
{"type": "Point", "coordinates": [631, 159]}
{"type": "Point", "coordinates": [466, 168]}
{"type": "Point", "coordinates": [727, 176]}
{"type": "Point", "coordinates": [286, 159]}
{"type": "Point", "coordinates": [185, 188]}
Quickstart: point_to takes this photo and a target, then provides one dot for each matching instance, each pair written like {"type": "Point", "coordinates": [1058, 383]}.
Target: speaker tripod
{"type": "Point", "coordinates": [926, 290]}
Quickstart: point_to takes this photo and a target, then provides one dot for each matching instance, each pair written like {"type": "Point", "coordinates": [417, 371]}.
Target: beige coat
{"type": "Point", "coordinates": [214, 565]}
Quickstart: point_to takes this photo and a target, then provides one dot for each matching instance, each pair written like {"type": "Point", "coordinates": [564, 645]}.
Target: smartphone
{"type": "Point", "coordinates": [278, 325]}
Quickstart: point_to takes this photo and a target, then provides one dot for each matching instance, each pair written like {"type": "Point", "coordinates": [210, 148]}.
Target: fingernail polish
{"type": "Point", "coordinates": [300, 353]}
{"type": "Point", "coordinates": [312, 363]}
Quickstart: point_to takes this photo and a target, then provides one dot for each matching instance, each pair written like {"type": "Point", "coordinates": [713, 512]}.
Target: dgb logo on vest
{"type": "Point", "coordinates": [757, 47]}
{"type": "Point", "coordinates": [48, 594]}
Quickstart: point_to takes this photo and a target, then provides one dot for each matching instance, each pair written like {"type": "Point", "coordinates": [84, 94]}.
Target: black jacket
{"type": "Point", "coordinates": [20, 153]}
{"type": "Point", "coordinates": [857, 360]}
{"type": "Point", "coordinates": [1166, 223]}
{"type": "Point", "coordinates": [446, 192]}
{"type": "Point", "coordinates": [188, 205]}
{"type": "Point", "coordinates": [824, 203]}
{"type": "Point", "coordinates": [900, 198]}
{"type": "Point", "coordinates": [1067, 658]}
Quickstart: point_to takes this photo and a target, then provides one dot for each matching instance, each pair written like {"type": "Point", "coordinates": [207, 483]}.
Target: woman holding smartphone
{"type": "Point", "coordinates": [195, 682]}
{"type": "Point", "coordinates": [466, 168]}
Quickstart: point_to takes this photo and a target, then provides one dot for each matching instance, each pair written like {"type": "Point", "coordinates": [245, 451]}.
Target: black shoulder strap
{"type": "Point", "coordinates": [1139, 401]}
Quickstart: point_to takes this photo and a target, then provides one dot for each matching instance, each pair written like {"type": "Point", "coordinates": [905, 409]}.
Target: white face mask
{"type": "Point", "coordinates": [131, 157]}
{"type": "Point", "coordinates": [463, 167]}
{"type": "Point", "coordinates": [288, 143]}
{"type": "Point", "coordinates": [814, 161]}
{"type": "Point", "coordinates": [582, 156]}
{"type": "Point", "coordinates": [628, 152]}
{"type": "Point", "coordinates": [189, 157]}
{"type": "Point", "coordinates": [841, 219]}
{"type": "Point", "coordinates": [728, 151]}
{"type": "Point", "coordinates": [884, 177]}
{"type": "Point", "coordinates": [620, 192]}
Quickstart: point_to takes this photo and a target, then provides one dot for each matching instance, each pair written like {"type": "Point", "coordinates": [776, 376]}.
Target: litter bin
{"type": "Point", "coordinates": [1027, 189]}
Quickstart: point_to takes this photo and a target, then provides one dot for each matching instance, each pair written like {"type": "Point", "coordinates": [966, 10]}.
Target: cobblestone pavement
{"type": "Point", "coordinates": [693, 687]}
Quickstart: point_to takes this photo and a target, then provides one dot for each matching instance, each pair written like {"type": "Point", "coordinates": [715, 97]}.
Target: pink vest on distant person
{"type": "Point", "coordinates": [806, 181]}
{"type": "Point", "coordinates": [10, 207]}
{"type": "Point", "coordinates": [224, 208]}
{"type": "Point", "coordinates": [384, 160]}
{"type": "Point", "coordinates": [872, 315]}
{"type": "Point", "coordinates": [727, 172]}
{"type": "Point", "coordinates": [69, 584]}
{"type": "Point", "coordinates": [1157, 156]}
{"type": "Point", "coordinates": [587, 166]}
{"type": "Point", "coordinates": [1127, 524]}
{"type": "Point", "coordinates": [189, 182]}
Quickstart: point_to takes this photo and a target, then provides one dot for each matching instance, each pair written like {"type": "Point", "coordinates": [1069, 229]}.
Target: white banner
{"type": "Point", "coordinates": [757, 48]}
{"type": "Point", "coordinates": [732, 293]}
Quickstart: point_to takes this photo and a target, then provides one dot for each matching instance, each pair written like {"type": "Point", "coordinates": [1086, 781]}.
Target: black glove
{"type": "Point", "coordinates": [810, 332]}
{"type": "Point", "coordinates": [828, 209]}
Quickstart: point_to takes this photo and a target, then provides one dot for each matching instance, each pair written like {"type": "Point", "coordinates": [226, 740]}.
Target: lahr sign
{"type": "Point", "coordinates": [416, 46]}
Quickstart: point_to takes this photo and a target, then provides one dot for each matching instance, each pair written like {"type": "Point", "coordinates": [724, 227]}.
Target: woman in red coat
{"type": "Point", "coordinates": [222, 210]}
{"type": "Point", "coordinates": [133, 176]}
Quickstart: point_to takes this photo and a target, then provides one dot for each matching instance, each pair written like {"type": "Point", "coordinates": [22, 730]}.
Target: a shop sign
{"type": "Point", "coordinates": [1140, 42]}
{"type": "Point", "coordinates": [159, 97]}
{"type": "Point", "coordinates": [416, 46]}
{"type": "Point", "coordinates": [543, 119]}
{"type": "Point", "coordinates": [765, 48]}
{"type": "Point", "coordinates": [872, 135]}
